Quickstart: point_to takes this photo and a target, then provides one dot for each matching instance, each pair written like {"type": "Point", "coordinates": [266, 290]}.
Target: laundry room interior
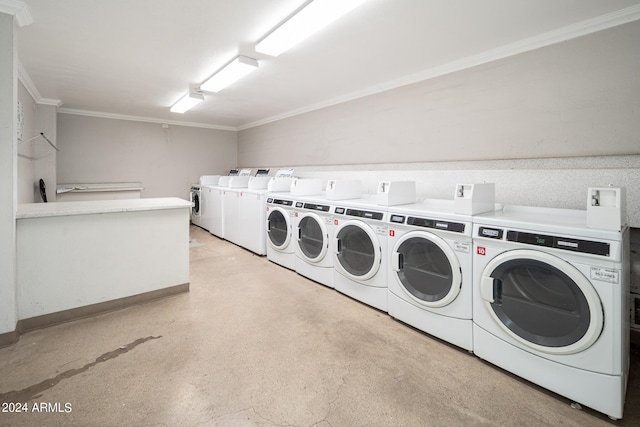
{"type": "Point", "coordinates": [512, 145]}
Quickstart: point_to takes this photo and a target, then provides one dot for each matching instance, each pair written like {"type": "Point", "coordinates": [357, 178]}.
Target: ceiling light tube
{"type": "Point", "coordinates": [313, 17]}
{"type": "Point", "coordinates": [187, 102]}
{"type": "Point", "coordinates": [230, 73]}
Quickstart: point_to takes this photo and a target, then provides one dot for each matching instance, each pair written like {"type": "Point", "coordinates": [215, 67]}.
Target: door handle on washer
{"type": "Point", "coordinates": [338, 246]}
{"type": "Point", "coordinates": [396, 261]}
{"type": "Point", "coordinates": [486, 288]}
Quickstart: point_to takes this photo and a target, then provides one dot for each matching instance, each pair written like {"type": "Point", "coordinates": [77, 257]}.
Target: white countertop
{"type": "Point", "coordinates": [38, 210]}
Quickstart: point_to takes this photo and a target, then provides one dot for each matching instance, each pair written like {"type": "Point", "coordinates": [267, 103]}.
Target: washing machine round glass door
{"type": "Point", "coordinates": [542, 301]}
{"type": "Point", "coordinates": [357, 250]}
{"type": "Point", "coordinates": [427, 268]}
{"type": "Point", "coordinates": [278, 228]}
{"type": "Point", "coordinates": [313, 239]}
{"type": "Point", "coordinates": [195, 200]}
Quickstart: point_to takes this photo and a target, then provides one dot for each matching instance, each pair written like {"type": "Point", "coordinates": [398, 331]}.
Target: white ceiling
{"type": "Point", "coordinates": [134, 59]}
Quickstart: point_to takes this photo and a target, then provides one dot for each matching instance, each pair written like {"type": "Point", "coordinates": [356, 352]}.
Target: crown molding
{"type": "Point", "coordinates": [583, 28]}
{"type": "Point", "coordinates": [33, 90]}
{"type": "Point", "coordinates": [114, 116]}
{"type": "Point", "coordinates": [19, 9]}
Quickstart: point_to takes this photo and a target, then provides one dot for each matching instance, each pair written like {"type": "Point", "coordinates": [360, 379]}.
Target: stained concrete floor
{"type": "Point", "coordinates": [254, 344]}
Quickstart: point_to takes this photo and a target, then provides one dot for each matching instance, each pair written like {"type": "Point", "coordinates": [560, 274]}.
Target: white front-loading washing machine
{"type": "Point", "coordinates": [279, 229]}
{"type": "Point", "coordinates": [280, 215]}
{"type": "Point", "coordinates": [360, 246]}
{"type": "Point", "coordinates": [196, 197]}
{"type": "Point", "coordinates": [313, 230]}
{"type": "Point", "coordinates": [313, 239]}
{"type": "Point", "coordinates": [550, 302]}
{"type": "Point", "coordinates": [430, 274]}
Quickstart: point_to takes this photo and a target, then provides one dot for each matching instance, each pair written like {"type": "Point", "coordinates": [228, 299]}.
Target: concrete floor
{"type": "Point", "coordinates": [254, 344]}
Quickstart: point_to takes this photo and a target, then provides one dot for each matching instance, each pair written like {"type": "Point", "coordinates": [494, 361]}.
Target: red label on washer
{"type": "Point", "coordinates": [481, 250]}
{"type": "Point", "coordinates": [335, 222]}
{"type": "Point", "coordinates": [296, 214]}
{"type": "Point", "coordinates": [392, 233]}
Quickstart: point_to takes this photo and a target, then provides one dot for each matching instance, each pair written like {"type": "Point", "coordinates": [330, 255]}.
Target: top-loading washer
{"type": "Point", "coordinates": [550, 302]}
{"type": "Point", "coordinates": [206, 200]}
{"type": "Point", "coordinates": [252, 213]}
{"type": "Point", "coordinates": [360, 246]}
{"type": "Point", "coordinates": [215, 202]}
{"type": "Point", "coordinates": [231, 205]}
{"type": "Point", "coordinates": [430, 254]}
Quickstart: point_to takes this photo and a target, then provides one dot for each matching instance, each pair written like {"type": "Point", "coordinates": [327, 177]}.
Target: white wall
{"type": "Point", "coordinates": [26, 167]}
{"type": "Point", "coordinates": [165, 161]}
{"type": "Point", "coordinates": [45, 167]}
{"type": "Point", "coordinates": [544, 126]}
{"type": "Point", "coordinates": [576, 98]}
{"type": "Point", "coordinates": [8, 176]}
{"type": "Point", "coordinates": [40, 160]}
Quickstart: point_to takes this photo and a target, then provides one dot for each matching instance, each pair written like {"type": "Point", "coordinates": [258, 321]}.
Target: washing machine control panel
{"type": "Point", "coordinates": [491, 233]}
{"type": "Point", "coordinates": [315, 207]}
{"type": "Point", "coordinates": [360, 213]}
{"type": "Point", "coordinates": [566, 243]}
{"type": "Point", "coordinates": [398, 219]}
{"type": "Point", "coordinates": [456, 227]}
{"type": "Point", "coordinates": [280, 202]}
{"type": "Point", "coordinates": [548, 241]}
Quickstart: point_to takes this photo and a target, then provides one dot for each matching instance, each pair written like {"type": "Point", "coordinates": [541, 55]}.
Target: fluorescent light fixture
{"type": "Point", "coordinates": [313, 17]}
{"type": "Point", "coordinates": [230, 73]}
{"type": "Point", "coordinates": [187, 102]}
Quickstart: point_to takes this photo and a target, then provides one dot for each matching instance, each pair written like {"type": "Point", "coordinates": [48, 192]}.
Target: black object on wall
{"type": "Point", "coordinates": [43, 191]}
